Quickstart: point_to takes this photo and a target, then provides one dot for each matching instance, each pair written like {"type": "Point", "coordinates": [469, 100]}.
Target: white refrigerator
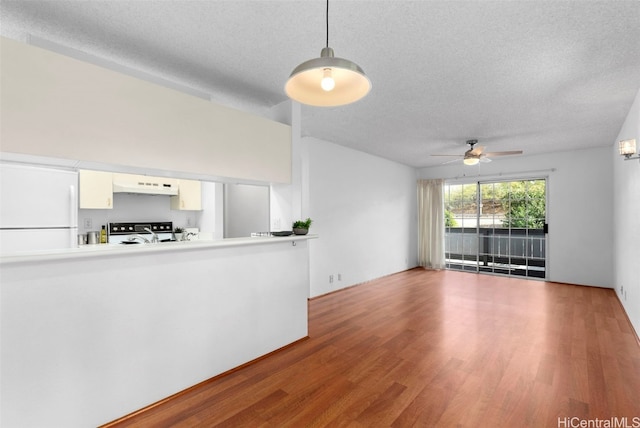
{"type": "Point", "coordinates": [38, 208]}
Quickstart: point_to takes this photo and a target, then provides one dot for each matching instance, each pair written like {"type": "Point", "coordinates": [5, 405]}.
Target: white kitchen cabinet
{"type": "Point", "coordinates": [189, 196]}
{"type": "Point", "coordinates": [96, 190]}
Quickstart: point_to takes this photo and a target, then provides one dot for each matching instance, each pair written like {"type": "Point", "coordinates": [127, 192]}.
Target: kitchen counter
{"type": "Point", "coordinates": [94, 333]}
{"type": "Point", "coordinates": [101, 250]}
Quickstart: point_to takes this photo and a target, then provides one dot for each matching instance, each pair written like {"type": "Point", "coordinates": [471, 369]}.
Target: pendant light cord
{"type": "Point", "coordinates": [327, 23]}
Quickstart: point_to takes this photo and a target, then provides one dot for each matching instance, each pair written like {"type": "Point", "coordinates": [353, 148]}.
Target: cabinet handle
{"type": "Point", "coordinates": [108, 202]}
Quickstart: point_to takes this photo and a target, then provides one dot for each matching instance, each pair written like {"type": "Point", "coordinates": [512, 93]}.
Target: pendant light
{"type": "Point", "coordinates": [327, 81]}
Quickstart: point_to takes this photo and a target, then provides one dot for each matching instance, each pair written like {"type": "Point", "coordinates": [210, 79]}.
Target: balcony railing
{"type": "Point", "coordinates": [514, 251]}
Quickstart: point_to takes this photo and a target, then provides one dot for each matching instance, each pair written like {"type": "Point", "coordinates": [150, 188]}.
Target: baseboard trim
{"type": "Point", "coordinates": [198, 385]}
{"type": "Point", "coordinates": [626, 315]}
{"type": "Point", "coordinates": [361, 283]}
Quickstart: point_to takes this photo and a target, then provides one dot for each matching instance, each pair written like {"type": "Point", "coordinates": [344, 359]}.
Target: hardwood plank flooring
{"type": "Point", "coordinates": [433, 349]}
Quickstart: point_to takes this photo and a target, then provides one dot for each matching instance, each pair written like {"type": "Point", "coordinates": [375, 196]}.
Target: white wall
{"type": "Point", "coordinates": [363, 208]}
{"type": "Point", "coordinates": [80, 109]}
{"type": "Point", "coordinates": [210, 219]}
{"type": "Point", "coordinates": [580, 207]}
{"type": "Point", "coordinates": [287, 204]}
{"type": "Point", "coordinates": [626, 220]}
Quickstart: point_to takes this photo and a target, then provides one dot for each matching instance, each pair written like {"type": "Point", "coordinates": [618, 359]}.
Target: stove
{"type": "Point", "coordinates": [135, 232]}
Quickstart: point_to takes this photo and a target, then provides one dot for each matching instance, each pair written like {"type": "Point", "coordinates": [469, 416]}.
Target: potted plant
{"type": "Point", "coordinates": [178, 233]}
{"type": "Point", "coordinates": [301, 227]}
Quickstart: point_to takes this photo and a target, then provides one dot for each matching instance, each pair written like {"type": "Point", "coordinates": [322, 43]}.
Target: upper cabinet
{"type": "Point", "coordinates": [189, 196]}
{"type": "Point", "coordinates": [96, 190]}
{"type": "Point", "coordinates": [64, 108]}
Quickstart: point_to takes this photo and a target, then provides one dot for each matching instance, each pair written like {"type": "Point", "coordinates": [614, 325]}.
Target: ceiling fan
{"type": "Point", "coordinates": [477, 154]}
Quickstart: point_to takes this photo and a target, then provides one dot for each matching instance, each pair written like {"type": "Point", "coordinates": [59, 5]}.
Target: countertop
{"type": "Point", "coordinates": [100, 250]}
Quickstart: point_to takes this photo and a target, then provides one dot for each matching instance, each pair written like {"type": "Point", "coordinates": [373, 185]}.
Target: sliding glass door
{"type": "Point", "coordinates": [497, 227]}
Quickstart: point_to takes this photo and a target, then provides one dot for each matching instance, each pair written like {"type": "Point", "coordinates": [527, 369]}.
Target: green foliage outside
{"type": "Point", "coordinates": [520, 204]}
{"type": "Point", "coordinates": [462, 194]}
{"type": "Point", "coordinates": [525, 205]}
{"type": "Point", "coordinates": [449, 221]}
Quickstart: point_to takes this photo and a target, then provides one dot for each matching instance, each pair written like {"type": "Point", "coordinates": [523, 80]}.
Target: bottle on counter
{"type": "Point", "coordinates": [103, 235]}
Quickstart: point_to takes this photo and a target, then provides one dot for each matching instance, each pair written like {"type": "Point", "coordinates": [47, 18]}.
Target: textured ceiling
{"type": "Point", "coordinates": [539, 76]}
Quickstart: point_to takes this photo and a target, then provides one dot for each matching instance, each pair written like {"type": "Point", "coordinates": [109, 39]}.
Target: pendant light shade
{"type": "Point", "coordinates": [327, 81]}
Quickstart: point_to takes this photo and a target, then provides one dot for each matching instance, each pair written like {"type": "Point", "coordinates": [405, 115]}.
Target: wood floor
{"type": "Point", "coordinates": [434, 349]}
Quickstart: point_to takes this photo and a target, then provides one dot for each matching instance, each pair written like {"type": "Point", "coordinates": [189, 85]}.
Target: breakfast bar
{"type": "Point", "coordinates": [92, 334]}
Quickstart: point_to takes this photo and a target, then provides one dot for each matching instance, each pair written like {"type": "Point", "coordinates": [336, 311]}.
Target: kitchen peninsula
{"type": "Point", "coordinates": [90, 335]}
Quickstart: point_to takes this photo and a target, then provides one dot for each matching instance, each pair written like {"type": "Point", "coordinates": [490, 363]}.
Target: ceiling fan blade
{"type": "Point", "coordinates": [508, 153]}
{"type": "Point", "coordinates": [451, 161]}
{"type": "Point", "coordinates": [477, 151]}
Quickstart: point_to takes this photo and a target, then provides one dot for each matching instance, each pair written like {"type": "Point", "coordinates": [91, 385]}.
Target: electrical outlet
{"type": "Point", "coordinates": [87, 223]}
{"type": "Point", "coordinates": [188, 221]}
{"type": "Point", "coordinates": [339, 277]}
{"type": "Point", "coordinates": [330, 279]}
{"type": "Point", "coordinates": [622, 289]}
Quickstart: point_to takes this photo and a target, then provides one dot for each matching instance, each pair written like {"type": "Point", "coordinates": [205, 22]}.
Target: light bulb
{"type": "Point", "coordinates": [327, 83]}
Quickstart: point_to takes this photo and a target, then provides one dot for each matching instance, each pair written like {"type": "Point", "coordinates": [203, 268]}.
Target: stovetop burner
{"type": "Point", "coordinates": [121, 232]}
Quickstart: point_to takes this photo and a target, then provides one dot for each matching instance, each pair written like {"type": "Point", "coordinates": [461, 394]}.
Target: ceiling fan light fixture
{"type": "Point", "coordinates": [327, 81]}
{"type": "Point", "coordinates": [476, 154]}
{"type": "Point", "coordinates": [471, 160]}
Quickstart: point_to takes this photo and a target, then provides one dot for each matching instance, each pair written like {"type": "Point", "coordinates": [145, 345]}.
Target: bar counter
{"type": "Point", "coordinates": [92, 334]}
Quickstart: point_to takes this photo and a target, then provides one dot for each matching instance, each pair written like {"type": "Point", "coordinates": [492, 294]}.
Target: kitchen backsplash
{"type": "Point", "coordinates": [136, 208]}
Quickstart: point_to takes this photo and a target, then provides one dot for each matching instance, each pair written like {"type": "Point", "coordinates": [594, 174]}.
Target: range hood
{"type": "Point", "coordinates": [143, 185]}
